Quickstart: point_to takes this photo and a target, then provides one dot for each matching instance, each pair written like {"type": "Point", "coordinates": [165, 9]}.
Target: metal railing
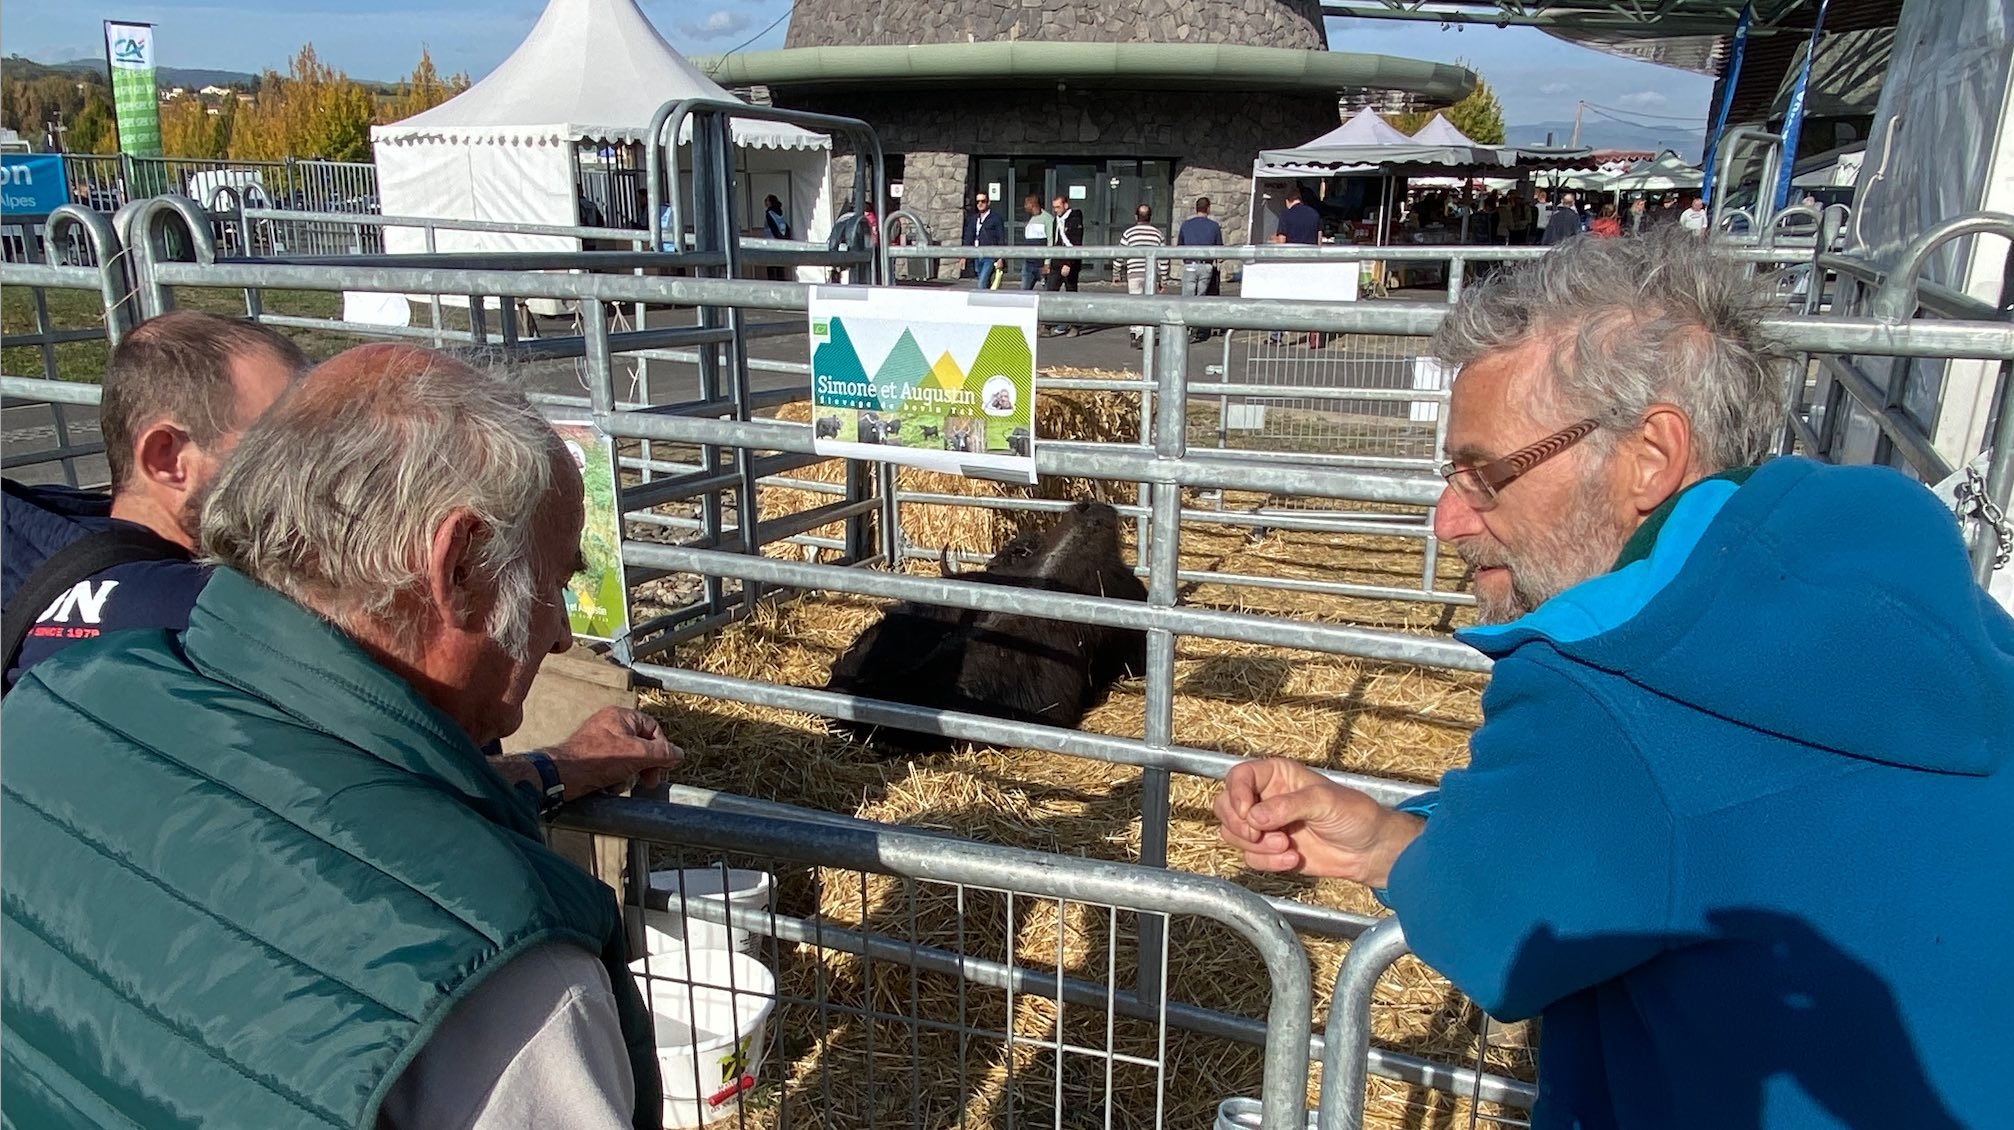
{"type": "Point", "coordinates": [734, 444]}
{"type": "Point", "coordinates": [109, 181]}
{"type": "Point", "coordinates": [1348, 1054]}
{"type": "Point", "coordinates": [1930, 420]}
{"type": "Point", "coordinates": [916, 931]}
{"type": "Point", "coordinates": [83, 254]}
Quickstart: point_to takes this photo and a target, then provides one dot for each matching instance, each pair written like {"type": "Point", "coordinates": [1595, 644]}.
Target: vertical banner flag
{"type": "Point", "coordinates": [942, 379]}
{"type": "Point", "coordinates": [1793, 115]}
{"type": "Point", "coordinates": [129, 50]}
{"type": "Point", "coordinates": [1733, 76]}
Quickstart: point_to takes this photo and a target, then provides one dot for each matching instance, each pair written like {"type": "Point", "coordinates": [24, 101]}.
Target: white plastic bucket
{"type": "Point", "coordinates": [709, 1009]}
{"type": "Point", "coordinates": [751, 890]}
{"type": "Point", "coordinates": [1243, 1114]}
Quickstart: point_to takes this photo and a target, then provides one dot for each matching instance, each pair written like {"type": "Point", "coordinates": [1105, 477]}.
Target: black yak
{"type": "Point", "coordinates": [1026, 668]}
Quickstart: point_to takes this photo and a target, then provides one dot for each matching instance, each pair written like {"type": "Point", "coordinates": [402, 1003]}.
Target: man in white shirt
{"type": "Point", "coordinates": [1143, 233]}
{"type": "Point", "coordinates": [1693, 219]}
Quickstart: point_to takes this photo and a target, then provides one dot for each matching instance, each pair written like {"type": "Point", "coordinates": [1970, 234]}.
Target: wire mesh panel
{"type": "Point", "coordinates": [891, 993]}
{"type": "Point", "coordinates": [906, 1003]}
{"type": "Point", "coordinates": [1313, 414]}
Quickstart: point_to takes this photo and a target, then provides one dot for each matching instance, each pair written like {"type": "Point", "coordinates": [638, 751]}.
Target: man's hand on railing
{"type": "Point", "coordinates": [1286, 817]}
{"type": "Point", "coordinates": [614, 749]}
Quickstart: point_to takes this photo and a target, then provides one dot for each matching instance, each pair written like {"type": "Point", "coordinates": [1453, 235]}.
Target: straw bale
{"type": "Point", "coordinates": [1332, 711]}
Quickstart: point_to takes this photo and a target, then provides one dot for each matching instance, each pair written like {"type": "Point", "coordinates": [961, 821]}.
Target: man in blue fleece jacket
{"type": "Point", "coordinates": [1736, 821]}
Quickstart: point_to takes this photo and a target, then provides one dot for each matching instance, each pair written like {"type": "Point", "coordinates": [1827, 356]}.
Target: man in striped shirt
{"type": "Point", "coordinates": [1143, 233]}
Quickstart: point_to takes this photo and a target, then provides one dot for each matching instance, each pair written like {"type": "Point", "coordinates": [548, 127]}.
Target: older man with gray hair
{"type": "Point", "coordinates": [258, 873]}
{"type": "Point", "coordinates": [1735, 821]}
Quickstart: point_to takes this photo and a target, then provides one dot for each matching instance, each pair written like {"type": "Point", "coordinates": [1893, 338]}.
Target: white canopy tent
{"type": "Point", "coordinates": [1368, 140]}
{"type": "Point", "coordinates": [590, 75]}
{"type": "Point", "coordinates": [1662, 174]}
{"type": "Point", "coordinates": [1440, 131]}
{"type": "Point", "coordinates": [1365, 145]}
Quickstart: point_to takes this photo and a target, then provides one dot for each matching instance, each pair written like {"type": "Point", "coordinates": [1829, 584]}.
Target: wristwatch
{"type": "Point", "coordinates": [552, 793]}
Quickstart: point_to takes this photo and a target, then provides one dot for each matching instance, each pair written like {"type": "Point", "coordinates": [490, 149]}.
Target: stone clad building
{"type": "Point", "coordinates": [1108, 104]}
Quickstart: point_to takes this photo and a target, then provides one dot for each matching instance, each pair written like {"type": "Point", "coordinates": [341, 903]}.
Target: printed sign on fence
{"type": "Point", "coordinates": [943, 380]}
{"type": "Point", "coordinates": [31, 184]}
{"type": "Point", "coordinates": [597, 599]}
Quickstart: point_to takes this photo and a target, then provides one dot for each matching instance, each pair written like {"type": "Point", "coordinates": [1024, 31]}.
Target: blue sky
{"type": "Point", "coordinates": [1537, 77]}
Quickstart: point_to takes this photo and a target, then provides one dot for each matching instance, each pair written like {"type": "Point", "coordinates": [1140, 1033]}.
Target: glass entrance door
{"type": "Point", "coordinates": [1106, 190]}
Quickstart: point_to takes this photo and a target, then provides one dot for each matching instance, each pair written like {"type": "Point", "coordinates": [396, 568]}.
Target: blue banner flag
{"type": "Point", "coordinates": [1735, 56]}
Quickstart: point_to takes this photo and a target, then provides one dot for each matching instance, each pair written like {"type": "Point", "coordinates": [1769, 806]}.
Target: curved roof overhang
{"type": "Point", "coordinates": [1126, 66]}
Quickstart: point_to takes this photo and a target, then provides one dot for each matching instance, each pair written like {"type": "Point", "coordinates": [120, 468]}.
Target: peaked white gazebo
{"type": "Point", "coordinates": [583, 85]}
{"type": "Point", "coordinates": [1440, 131]}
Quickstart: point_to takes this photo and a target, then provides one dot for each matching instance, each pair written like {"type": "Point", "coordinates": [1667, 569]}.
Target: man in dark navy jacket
{"type": "Point", "coordinates": [179, 390]}
{"type": "Point", "coordinates": [984, 228]}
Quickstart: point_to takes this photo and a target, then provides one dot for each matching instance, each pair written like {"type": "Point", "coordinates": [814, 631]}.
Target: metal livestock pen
{"type": "Point", "coordinates": [702, 461]}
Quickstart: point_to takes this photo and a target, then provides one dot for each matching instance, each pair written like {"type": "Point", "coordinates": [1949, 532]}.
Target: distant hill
{"type": "Point", "coordinates": [1596, 133]}
{"type": "Point", "coordinates": [192, 78]}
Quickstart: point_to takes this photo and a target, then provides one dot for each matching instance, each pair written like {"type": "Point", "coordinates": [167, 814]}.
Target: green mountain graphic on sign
{"type": "Point", "coordinates": [905, 364]}
{"type": "Point", "coordinates": [836, 361]}
{"type": "Point", "coordinates": [1005, 353]}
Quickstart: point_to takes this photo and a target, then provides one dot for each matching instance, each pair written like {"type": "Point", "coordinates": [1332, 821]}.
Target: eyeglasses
{"type": "Point", "coordinates": [1479, 486]}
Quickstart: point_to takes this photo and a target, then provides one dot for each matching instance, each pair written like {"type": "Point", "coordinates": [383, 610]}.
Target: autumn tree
{"type": "Point", "coordinates": [1478, 115]}
{"type": "Point", "coordinates": [189, 129]}
{"type": "Point", "coordinates": [312, 111]}
{"type": "Point", "coordinates": [32, 105]}
{"type": "Point", "coordinates": [424, 89]}
{"type": "Point", "coordinates": [94, 130]}
{"type": "Point", "coordinates": [1410, 122]}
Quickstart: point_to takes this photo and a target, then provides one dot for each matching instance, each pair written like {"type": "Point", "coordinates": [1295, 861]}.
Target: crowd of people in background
{"type": "Point", "coordinates": [1549, 216]}
{"type": "Point", "coordinates": [1513, 219]}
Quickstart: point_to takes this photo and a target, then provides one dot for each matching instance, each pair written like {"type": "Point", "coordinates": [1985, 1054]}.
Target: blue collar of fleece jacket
{"type": "Point", "coordinates": [1649, 561]}
{"type": "Point", "coordinates": [1834, 606]}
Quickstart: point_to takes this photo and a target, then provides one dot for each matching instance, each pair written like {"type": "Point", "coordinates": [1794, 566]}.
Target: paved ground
{"type": "Point", "coordinates": [33, 429]}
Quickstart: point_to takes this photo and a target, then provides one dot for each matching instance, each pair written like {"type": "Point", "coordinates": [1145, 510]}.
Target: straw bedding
{"type": "Point", "coordinates": [1328, 710]}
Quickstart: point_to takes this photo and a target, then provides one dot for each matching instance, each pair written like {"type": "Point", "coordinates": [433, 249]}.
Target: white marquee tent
{"type": "Point", "coordinates": [1665, 172]}
{"type": "Point", "coordinates": [591, 74]}
{"type": "Point", "coordinates": [1364, 145]}
{"type": "Point", "coordinates": [1440, 131]}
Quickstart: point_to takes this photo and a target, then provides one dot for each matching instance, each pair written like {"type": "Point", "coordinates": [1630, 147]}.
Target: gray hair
{"type": "Point", "coordinates": [333, 497]}
{"type": "Point", "coordinates": [1635, 322]}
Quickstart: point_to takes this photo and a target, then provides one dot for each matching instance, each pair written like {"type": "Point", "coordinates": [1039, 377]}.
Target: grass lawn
{"type": "Point", "coordinates": [78, 309]}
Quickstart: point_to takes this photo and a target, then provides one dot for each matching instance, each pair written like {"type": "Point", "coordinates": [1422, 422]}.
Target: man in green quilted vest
{"type": "Point", "coordinates": [257, 874]}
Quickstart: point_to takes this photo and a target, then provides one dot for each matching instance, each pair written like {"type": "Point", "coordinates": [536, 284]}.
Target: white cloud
{"type": "Point", "coordinates": [718, 25]}
{"type": "Point", "coordinates": [1642, 100]}
{"type": "Point", "coordinates": [1556, 88]}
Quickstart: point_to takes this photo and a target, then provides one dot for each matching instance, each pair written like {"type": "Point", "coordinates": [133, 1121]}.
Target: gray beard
{"type": "Point", "coordinates": [1580, 547]}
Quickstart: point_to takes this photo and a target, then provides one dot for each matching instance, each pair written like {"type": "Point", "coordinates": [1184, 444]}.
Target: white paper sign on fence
{"type": "Point", "coordinates": [943, 380]}
{"type": "Point", "coordinates": [1430, 374]}
{"type": "Point", "coordinates": [1305, 280]}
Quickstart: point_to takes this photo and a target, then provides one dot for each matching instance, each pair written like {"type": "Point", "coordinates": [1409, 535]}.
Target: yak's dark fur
{"type": "Point", "coordinates": [1020, 667]}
